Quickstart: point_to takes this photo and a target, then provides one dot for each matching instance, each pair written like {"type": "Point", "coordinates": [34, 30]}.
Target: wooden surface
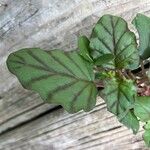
{"type": "Point", "coordinates": [26, 123]}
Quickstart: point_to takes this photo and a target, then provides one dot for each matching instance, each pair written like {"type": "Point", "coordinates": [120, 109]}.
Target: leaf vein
{"type": "Point", "coordinates": [77, 95]}
{"type": "Point", "coordinates": [68, 56]}
{"type": "Point", "coordinates": [61, 88]}
{"type": "Point", "coordinates": [106, 29]}
{"type": "Point", "coordinates": [61, 63]}
{"type": "Point", "coordinates": [102, 41]}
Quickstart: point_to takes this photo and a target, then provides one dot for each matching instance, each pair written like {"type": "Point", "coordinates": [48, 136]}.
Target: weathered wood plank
{"type": "Point", "coordinates": [97, 129]}
{"type": "Point", "coordinates": [48, 24]}
{"type": "Point", "coordinates": [44, 25]}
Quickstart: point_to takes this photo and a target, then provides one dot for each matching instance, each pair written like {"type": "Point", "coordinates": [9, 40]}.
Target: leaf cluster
{"type": "Point", "coordinates": [108, 59]}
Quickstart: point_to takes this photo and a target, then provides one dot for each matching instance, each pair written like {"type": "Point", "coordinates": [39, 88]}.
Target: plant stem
{"type": "Point", "coordinates": [99, 84]}
{"type": "Point", "coordinates": [120, 73]}
{"type": "Point", "coordinates": [131, 75]}
{"type": "Point", "coordinates": [126, 74]}
{"type": "Point", "coordinates": [142, 67]}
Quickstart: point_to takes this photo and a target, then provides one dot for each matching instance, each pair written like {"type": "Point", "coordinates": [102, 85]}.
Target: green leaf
{"type": "Point", "coordinates": [104, 59]}
{"type": "Point", "coordinates": [142, 24]}
{"type": "Point", "coordinates": [131, 121]}
{"type": "Point", "coordinates": [147, 134]}
{"type": "Point", "coordinates": [84, 49]}
{"type": "Point", "coordinates": [119, 96]}
{"type": "Point", "coordinates": [105, 75]}
{"type": "Point", "coordinates": [112, 36]}
{"type": "Point", "coordinates": [142, 108]}
{"type": "Point", "coordinates": [59, 77]}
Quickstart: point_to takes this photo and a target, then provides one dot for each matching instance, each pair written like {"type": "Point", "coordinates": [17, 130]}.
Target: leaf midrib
{"type": "Point", "coordinates": [117, 102]}
{"type": "Point", "coordinates": [51, 71]}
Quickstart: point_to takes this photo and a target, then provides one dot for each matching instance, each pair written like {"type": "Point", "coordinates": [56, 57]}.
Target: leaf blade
{"type": "Point", "coordinates": [84, 49]}
{"type": "Point", "coordinates": [142, 24]}
{"type": "Point", "coordinates": [119, 97]}
{"type": "Point", "coordinates": [131, 121]}
{"type": "Point", "coordinates": [112, 36]}
{"type": "Point", "coordinates": [142, 108]}
{"type": "Point", "coordinates": [103, 59]}
{"type": "Point", "coordinates": [146, 135]}
{"type": "Point", "coordinates": [59, 77]}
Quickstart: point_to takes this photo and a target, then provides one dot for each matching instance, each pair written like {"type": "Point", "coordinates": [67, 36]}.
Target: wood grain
{"type": "Point", "coordinates": [97, 129]}
{"type": "Point", "coordinates": [50, 24]}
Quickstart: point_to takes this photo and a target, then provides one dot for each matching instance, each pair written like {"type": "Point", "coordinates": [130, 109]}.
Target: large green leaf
{"type": "Point", "coordinates": [59, 77]}
{"type": "Point", "coordinates": [142, 24]}
{"type": "Point", "coordinates": [147, 134]}
{"type": "Point", "coordinates": [120, 97]}
{"type": "Point", "coordinates": [84, 49]}
{"type": "Point", "coordinates": [112, 36]}
{"type": "Point", "coordinates": [142, 108]}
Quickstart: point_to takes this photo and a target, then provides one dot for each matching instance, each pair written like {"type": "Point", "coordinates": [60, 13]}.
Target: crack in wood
{"type": "Point", "coordinates": [29, 17]}
{"type": "Point", "coordinates": [13, 25]}
{"type": "Point", "coordinates": [1, 28]}
{"type": "Point", "coordinates": [29, 120]}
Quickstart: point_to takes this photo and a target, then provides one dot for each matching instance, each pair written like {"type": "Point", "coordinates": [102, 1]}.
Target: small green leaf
{"type": "Point", "coordinates": [147, 134]}
{"type": "Point", "coordinates": [142, 108]}
{"type": "Point", "coordinates": [142, 24]}
{"type": "Point", "coordinates": [112, 36]}
{"type": "Point", "coordinates": [59, 77]}
{"type": "Point", "coordinates": [104, 59]}
{"type": "Point", "coordinates": [119, 96]}
{"type": "Point", "coordinates": [105, 75]}
{"type": "Point", "coordinates": [84, 49]}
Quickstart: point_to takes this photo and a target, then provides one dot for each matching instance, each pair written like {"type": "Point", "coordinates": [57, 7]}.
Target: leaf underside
{"type": "Point", "coordinates": [59, 77]}
{"type": "Point", "coordinates": [142, 24]}
{"type": "Point", "coordinates": [112, 36]}
{"type": "Point", "coordinates": [119, 97]}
